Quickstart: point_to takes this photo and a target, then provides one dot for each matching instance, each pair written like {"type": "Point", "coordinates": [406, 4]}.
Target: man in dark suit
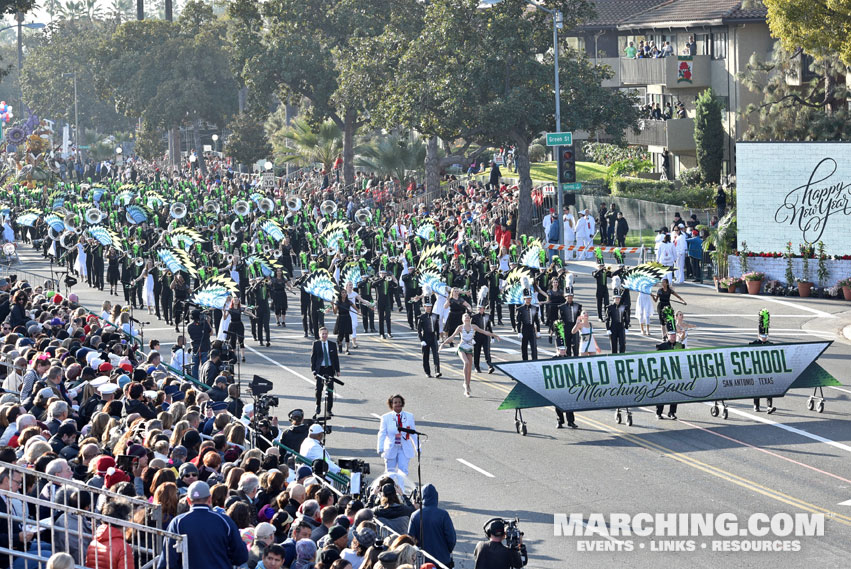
{"type": "Point", "coordinates": [617, 322]}
{"type": "Point", "coordinates": [569, 312]}
{"type": "Point", "coordinates": [428, 329]}
{"type": "Point", "coordinates": [324, 362]}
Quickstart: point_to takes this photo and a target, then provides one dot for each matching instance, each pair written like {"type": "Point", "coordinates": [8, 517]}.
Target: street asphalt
{"type": "Point", "coordinates": [794, 461]}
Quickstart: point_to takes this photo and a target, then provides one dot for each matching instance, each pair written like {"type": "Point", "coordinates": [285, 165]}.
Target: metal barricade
{"type": "Point", "coordinates": [51, 521]}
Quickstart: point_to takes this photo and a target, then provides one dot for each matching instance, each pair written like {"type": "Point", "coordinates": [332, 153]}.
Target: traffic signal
{"type": "Point", "coordinates": [567, 164]}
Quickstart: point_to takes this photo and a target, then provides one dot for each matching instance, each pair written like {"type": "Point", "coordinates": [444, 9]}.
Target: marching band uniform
{"type": "Point", "coordinates": [569, 312]}
{"type": "Point", "coordinates": [601, 275]}
{"type": "Point", "coordinates": [530, 325]}
{"type": "Point", "coordinates": [668, 345]}
{"type": "Point", "coordinates": [386, 289]}
{"type": "Point", "coordinates": [482, 342]}
{"type": "Point", "coordinates": [617, 322]}
{"type": "Point", "coordinates": [762, 340]}
{"type": "Point", "coordinates": [428, 331]}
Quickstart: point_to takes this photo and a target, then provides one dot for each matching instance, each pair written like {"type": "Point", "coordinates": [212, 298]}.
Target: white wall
{"type": "Point", "coordinates": [794, 191]}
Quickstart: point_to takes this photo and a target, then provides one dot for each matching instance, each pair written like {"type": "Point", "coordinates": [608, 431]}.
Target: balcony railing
{"type": "Point", "coordinates": [677, 135]}
{"type": "Point", "coordinates": [671, 72]}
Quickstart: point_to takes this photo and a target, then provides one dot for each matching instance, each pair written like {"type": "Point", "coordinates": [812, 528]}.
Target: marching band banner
{"type": "Point", "coordinates": [671, 376]}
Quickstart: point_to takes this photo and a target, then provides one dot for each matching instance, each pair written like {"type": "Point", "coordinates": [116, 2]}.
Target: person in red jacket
{"type": "Point", "coordinates": [505, 237]}
{"type": "Point", "coordinates": [109, 548]}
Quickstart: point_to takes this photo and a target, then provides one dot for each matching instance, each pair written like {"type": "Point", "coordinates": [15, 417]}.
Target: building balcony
{"type": "Point", "coordinates": [677, 135]}
{"type": "Point", "coordinates": [669, 72]}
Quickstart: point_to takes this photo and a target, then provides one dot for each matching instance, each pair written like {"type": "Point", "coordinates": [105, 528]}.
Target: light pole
{"type": "Point", "coordinates": [76, 116]}
{"type": "Point", "coordinates": [20, 25]}
{"type": "Point", "coordinates": [558, 22]}
{"type": "Point", "coordinates": [216, 143]}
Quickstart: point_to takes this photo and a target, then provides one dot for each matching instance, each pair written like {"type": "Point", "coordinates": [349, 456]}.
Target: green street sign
{"type": "Point", "coordinates": [559, 138]}
{"type": "Point", "coordinates": [84, 147]}
{"type": "Point", "coordinates": [571, 187]}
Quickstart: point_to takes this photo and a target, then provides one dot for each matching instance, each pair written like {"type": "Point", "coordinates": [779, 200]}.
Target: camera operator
{"type": "Point", "coordinates": [295, 435]}
{"type": "Point", "coordinates": [199, 334]}
{"type": "Point", "coordinates": [493, 554]}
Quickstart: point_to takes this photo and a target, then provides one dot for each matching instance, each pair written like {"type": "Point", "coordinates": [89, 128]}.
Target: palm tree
{"type": "Point", "coordinates": [121, 11]}
{"type": "Point", "coordinates": [52, 8]}
{"type": "Point", "coordinates": [93, 9]}
{"type": "Point", "coordinates": [73, 10]}
{"type": "Point", "coordinates": [396, 154]}
{"type": "Point", "coordinates": [300, 144]}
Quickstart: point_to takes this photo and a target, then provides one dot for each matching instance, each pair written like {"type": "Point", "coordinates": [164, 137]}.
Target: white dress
{"type": "Point", "coordinates": [150, 300]}
{"type": "Point", "coordinates": [352, 296]}
{"type": "Point", "coordinates": [587, 343]}
{"type": "Point", "coordinates": [467, 340]}
{"type": "Point", "coordinates": [644, 308]}
{"type": "Point", "coordinates": [80, 263]}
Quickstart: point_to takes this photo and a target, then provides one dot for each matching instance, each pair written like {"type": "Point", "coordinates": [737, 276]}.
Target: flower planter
{"type": "Point", "coordinates": [732, 288]}
{"type": "Point", "coordinates": [754, 286]}
{"type": "Point", "coordinates": [846, 290]}
{"type": "Point", "coordinates": [718, 286]}
{"type": "Point", "coordinates": [804, 289]}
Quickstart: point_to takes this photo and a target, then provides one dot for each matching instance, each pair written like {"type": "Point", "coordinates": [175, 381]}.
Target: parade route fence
{"type": "Point", "coordinates": [51, 520]}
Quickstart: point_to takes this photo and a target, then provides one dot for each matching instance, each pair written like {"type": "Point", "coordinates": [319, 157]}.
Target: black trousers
{"type": "Point", "coordinates": [166, 304]}
{"type": "Point", "coordinates": [618, 339]}
{"type": "Point", "coordinates": [262, 323]}
{"type": "Point", "coordinates": [367, 318]}
{"type": "Point", "coordinates": [413, 310]}
{"type": "Point", "coordinates": [384, 311]}
{"type": "Point", "coordinates": [560, 414]}
{"type": "Point", "coordinates": [602, 301]}
{"type": "Point", "coordinates": [671, 409]}
{"type": "Point", "coordinates": [320, 387]}
{"type": "Point", "coordinates": [305, 315]}
{"type": "Point", "coordinates": [179, 311]}
{"type": "Point", "coordinates": [696, 267]}
{"type": "Point", "coordinates": [317, 321]}
{"type": "Point", "coordinates": [512, 310]}
{"type": "Point", "coordinates": [398, 297]}
{"type": "Point", "coordinates": [529, 339]}
{"type": "Point", "coordinates": [572, 341]}
{"type": "Point", "coordinates": [482, 345]}
{"type": "Point", "coordinates": [430, 347]}
{"type": "Point", "coordinates": [495, 308]}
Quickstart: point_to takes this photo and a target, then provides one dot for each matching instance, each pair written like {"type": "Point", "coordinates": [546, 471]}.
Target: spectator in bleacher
{"type": "Point", "coordinates": [109, 547]}
{"type": "Point", "coordinates": [630, 52]}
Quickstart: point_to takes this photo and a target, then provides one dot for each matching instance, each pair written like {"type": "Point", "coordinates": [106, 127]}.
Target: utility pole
{"type": "Point", "coordinates": [140, 9]}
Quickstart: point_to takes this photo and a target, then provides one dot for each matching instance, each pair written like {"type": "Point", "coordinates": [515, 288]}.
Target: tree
{"type": "Point", "coordinates": [297, 54]}
{"type": "Point", "coordinates": [709, 136]}
{"type": "Point", "coordinates": [170, 73]}
{"type": "Point", "coordinates": [821, 28]}
{"type": "Point", "coordinates": [812, 111]}
{"type": "Point", "coordinates": [302, 144]}
{"type": "Point", "coordinates": [493, 71]}
{"type": "Point", "coordinates": [247, 141]}
{"type": "Point", "coordinates": [150, 142]}
{"type": "Point", "coordinates": [121, 11]}
{"type": "Point", "coordinates": [13, 6]}
{"type": "Point", "coordinates": [396, 155]}
{"type": "Point", "coordinates": [71, 46]}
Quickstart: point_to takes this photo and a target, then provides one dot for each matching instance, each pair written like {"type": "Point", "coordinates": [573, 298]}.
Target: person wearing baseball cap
{"type": "Point", "coordinates": [312, 448]}
{"type": "Point", "coordinates": [213, 540]}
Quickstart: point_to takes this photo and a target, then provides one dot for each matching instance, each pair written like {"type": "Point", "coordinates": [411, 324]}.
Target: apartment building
{"type": "Point", "coordinates": [725, 35]}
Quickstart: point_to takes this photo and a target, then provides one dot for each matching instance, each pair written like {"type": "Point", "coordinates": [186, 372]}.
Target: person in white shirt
{"type": "Point", "coordinates": [583, 237]}
{"type": "Point", "coordinates": [569, 232]}
{"type": "Point", "coordinates": [592, 229]}
{"type": "Point", "coordinates": [15, 380]}
{"type": "Point", "coordinates": [547, 221]}
{"type": "Point", "coordinates": [666, 254]}
{"type": "Point", "coordinates": [680, 249]}
{"type": "Point", "coordinates": [178, 354]}
{"type": "Point", "coordinates": [395, 447]}
{"type": "Point", "coordinates": [312, 448]}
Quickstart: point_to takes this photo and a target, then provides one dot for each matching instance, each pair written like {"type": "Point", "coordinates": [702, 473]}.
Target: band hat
{"type": "Point", "coordinates": [107, 389]}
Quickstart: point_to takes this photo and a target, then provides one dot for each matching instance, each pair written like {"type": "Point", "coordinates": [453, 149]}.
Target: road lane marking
{"type": "Point", "coordinates": [376, 415]}
{"type": "Point", "coordinates": [476, 468]}
{"type": "Point", "coordinates": [719, 473]}
{"type": "Point", "coordinates": [845, 503]}
{"type": "Point", "coordinates": [280, 365]}
{"type": "Point", "coordinates": [790, 429]}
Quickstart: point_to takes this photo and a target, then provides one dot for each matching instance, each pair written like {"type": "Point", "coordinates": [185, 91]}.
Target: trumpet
{"type": "Point", "coordinates": [328, 207]}
{"type": "Point", "coordinates": [178, 210]}
{"type": "Point", "coordinates": [232, 238]}
{"type": "Point", "coordinates": [229, 259]}
{"type": "Point", "coordinates": [294, 203]}
{"type": "Point", "coordinates": [241, 207]}
{"type": "Point", "coordinates": [277, 253]}
{"type": "Point", "coordinates": [266, 206]}
{"type": "Point", "coordinates": [139, 261]}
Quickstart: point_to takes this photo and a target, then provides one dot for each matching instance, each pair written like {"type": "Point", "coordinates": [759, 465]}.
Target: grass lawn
{"type": "Point", "coordinates": [546, 172]}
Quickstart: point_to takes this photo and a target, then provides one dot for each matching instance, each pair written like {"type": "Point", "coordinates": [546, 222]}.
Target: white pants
{"type": "Point", "coordinates": [681, 267]}
{"type": "Point", "coordinates": [398, 461]}
{"type": "Point", "coordinates": [354, 316]}
{"type": "Point", "coordinates": [588, 253]}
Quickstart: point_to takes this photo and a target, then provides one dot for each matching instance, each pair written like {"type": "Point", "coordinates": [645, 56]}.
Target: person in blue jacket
{"type": "Point", "coordinates": [438, 532]}
{"type": "Point", "coordinates": [213, 539]}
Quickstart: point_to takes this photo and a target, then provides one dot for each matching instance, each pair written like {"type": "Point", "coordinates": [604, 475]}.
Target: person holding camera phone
{"type": "Point", "coordinates": [493, 554]}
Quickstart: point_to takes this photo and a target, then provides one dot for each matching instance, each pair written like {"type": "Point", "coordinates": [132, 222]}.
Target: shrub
{"type": "Point", "coordinates": [608, 154]}
{"type": "Point", "coordinates": [662, 191]}
{"type": "Point", "coordinates": [537, 153]}
{"type": "Point", "coordinates": [690, 177]}
{"type": "Point", "coordinates": [628, 167]}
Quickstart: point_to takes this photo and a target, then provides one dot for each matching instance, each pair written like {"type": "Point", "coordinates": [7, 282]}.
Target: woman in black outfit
{"type": "Point", "coordinates": [18, 314]}
{"type": "Point", "coordinates": [342, 307]}
{"type": "Point", "coordinates": [236, 329]}
{"type": "Point", "coordinates": [555, 298]}
{"type": "Point", "coordinates": [662, 298]}
{"type": "Point", "coordinates": [278, 287]}
{"type": "Point", "coordinates": [457, 307]}
{"type": "Point", "coordinates": [112, 269]}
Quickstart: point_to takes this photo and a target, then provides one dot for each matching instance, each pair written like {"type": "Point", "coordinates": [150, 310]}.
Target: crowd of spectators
{"type": "Point", "coordinates": [82, 403]}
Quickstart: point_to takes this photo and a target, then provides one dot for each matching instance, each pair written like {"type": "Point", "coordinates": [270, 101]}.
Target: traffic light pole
{"type": "Point", "coordinates": [559, 194]}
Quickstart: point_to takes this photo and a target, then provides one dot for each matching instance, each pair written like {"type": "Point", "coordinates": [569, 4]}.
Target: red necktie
{"type": "Point", "coordinates": [399, 425]}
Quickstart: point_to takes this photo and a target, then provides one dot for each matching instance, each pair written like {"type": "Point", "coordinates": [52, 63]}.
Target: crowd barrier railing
{"type": "Point", "coordinates": [53, 524]}
{"type": "Point", "coordinates": [423, 557]}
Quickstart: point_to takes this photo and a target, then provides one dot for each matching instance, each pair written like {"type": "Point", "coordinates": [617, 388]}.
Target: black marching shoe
{"type": "Point", "coordinates": [438, 374]}
{"type": "Point", "coordinates": [491, 369]}
{"type": "Point", "coordinates": [572, 425]}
